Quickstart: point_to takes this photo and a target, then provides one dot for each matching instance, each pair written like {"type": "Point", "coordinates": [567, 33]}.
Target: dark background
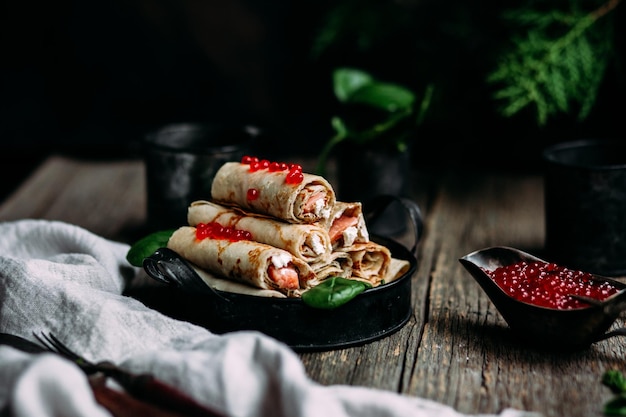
{"type": "Point", "coordinates": [92, 77]}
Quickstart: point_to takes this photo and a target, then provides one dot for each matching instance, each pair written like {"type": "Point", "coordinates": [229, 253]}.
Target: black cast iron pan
{"type": "Point", "coordinates": [372, 315]}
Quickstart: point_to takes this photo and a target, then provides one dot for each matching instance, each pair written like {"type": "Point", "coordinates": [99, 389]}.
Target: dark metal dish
{"type": "Point", "coordinates": [372, 315]}
{"type": "Point", "coordinates": [541, 326]}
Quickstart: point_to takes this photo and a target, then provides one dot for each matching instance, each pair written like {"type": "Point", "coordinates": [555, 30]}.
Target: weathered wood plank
{"type": "Point", "coordinates": [467, 358]}
{"type": "Point", "coordinates": [105, 197]}
{"type": "Point", "coordinates": [467, 216]}
{"type": "Point", "coordinates": [455, 349]}
{"type": "Point", "coordinates": [38, 191]}
{"type": "Point", "coordinates": [382, 364]}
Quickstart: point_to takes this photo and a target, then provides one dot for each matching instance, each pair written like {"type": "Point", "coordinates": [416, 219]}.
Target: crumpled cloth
{"type": "Point", "coordinates": [63, 279]}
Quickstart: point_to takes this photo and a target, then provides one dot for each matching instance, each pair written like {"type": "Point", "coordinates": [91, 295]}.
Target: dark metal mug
{"type": "Point", "coordinates": [181, 161]}
{"type": "Point", "coordinates": [585, 205]}
{"type": "Point", "coordinates": [365, 172]}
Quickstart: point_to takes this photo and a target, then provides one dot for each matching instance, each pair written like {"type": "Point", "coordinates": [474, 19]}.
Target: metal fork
{"type": "Point", "coordinates": [50, 342]}
{"type": "Point", "coordinates": [142, 386]}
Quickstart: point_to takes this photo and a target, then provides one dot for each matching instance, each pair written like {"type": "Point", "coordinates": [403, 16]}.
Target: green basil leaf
{"type": "Point", "coordinates": [146, 246]}
{"type": "Point", "coordinates": [333, 292]}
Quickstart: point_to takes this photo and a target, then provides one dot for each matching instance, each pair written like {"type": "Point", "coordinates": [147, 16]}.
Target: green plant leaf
{"type": "Point", "coordinates": [377, 130]}
{"type": "Point", "coordinates": [616, 406]}
{"type": "Point", "coordinates": [333, 292]}
{"type": "Point", "coordinates": [375, 111]}
{"type": "Point", "coordinates": [614, 380]}
{"type": "Point", "coordinates": [555, 64]}
{"type": "Point", "coordinates": [347, 80]}
{"type": "Point", "coordinates": [384, 96]}
{"type": "Point", "coordinates": [146, 246]}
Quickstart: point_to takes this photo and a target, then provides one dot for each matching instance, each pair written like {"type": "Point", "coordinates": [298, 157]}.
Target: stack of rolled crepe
{"type": "Point", "coordinates": [299, 234]}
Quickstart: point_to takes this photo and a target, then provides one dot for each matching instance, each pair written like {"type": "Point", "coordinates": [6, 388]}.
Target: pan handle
{"type": "Point", "coordinates": [167, 266]}
{"type": "Point", "coordinates": [374, 209]}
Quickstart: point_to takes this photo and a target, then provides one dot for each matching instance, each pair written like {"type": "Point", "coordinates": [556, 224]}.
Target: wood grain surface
{"type": "Point", "coordinates": [455, 349]}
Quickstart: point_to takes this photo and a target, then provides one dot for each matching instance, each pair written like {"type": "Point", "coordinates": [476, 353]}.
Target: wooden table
{"type": "Point", "coordinates": [455, 349]}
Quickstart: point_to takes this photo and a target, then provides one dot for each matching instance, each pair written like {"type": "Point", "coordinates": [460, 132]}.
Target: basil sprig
{"type": "Point", "coordinates": [146, 246]}
{"type": "Point", "coordinates": [333, 292]}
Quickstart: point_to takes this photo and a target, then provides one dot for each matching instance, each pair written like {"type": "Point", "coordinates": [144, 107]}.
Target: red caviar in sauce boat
{"type": "Point", "coordinates": [548, 284]}
{"type": "Point", "coordinates": [214, 230]}
{"type": "Point", "coordinates": [294, 172]}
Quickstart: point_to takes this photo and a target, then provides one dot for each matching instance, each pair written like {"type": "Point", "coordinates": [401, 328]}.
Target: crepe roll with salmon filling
{"type": "Point", "coordinates": [308, 242]}
{"type": "Point", "coordinates": [370, 261]}
{"type": "Point", "coordinates": [346, 225]}
{"type": "Point", "coordinates": [340, 265]}
{"type": "Point", "coordinates": [257, 264]}
{"type": "Point", "coordinates": [278, 190]}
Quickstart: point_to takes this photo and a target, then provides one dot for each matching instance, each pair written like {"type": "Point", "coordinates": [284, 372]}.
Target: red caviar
{"type": "Point", "coordinates": [214, 230]}
{"type": "Point", "coordinates": [548, 284]}
{"type": "Point", "coordinates": [259, 165]}
{"type": "Point", "coordinates": [294, 171]}
{"type": "Point", "coordinates": [294, 176]}
{"type": "Point", "coordinates": [278, 166]}
{"type": "Point", "coordinates": [252, 194]}
{"type": "Point", "coordinates": [247, 159]}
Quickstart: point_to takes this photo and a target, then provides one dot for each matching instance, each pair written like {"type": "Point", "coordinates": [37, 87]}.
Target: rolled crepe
{"type": "Point", "coordinates": [339, 265]}
{"type": "Point", "coordinates": [308, 242]}
{"type": "Point", "coordinates": [257, 264]}
{"type": "Point", "coordinates": [370, 261]}
{"type": "Point", "coordinates": [228, 285]}
{"type": "Point", "coordinates": [397, 268]}
{"type": "Point", "coordinates": [308, 202]}
{"type": "Point", "coordinates": [346, 225]}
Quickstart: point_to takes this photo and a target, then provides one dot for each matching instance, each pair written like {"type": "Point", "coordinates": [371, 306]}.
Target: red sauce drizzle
{"type": "Point", "coordinates": [214, 230]}
{"type": "Point", "coordinates": [548, 284]}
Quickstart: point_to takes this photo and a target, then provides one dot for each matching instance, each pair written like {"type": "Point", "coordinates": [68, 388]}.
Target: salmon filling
{"type": "Point", "coordinates": [284, 277]}
{"type": "Point", "coordinates": [340, 226]}
{"type": "Point", "coordinates": [313, 201]}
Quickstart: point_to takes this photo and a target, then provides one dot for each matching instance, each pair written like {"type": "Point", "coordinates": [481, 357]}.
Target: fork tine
{"type": "Point", "coordinates": [141, 386]}
{"type": "Point", "coordinates": [44, 341]}
{"type": "Point", "coordinates": [55, 345]}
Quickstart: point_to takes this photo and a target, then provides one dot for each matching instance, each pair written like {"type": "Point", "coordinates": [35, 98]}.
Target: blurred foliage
{"type": "Point", "coordinates": [392, 112]}
{"type": "Point", "coordinates": [556, 60]}
{"type": "Point", "coordinates": [536, 59]}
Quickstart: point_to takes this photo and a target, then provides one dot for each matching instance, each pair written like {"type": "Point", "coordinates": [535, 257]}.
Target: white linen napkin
{"type": "Point", "coordinates": [63, 279]}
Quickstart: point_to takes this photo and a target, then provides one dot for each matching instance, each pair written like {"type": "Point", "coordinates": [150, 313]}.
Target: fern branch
{"type": "Point", "coordinates": [553, 73]}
